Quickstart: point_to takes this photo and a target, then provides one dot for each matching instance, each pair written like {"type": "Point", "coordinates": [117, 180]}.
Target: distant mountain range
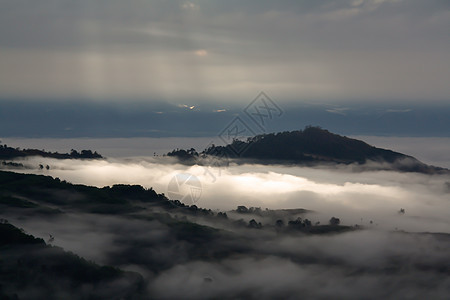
{"type": "Point", "coordinates": [310, 146]}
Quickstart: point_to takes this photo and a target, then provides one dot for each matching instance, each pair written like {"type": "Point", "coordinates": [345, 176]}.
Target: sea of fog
{"type": "Point", "coordinates": [365, 257]}
{"type": "Point", "coordinates": [371, 198]}
{"type": "Point", "coordinates": [355, 197]}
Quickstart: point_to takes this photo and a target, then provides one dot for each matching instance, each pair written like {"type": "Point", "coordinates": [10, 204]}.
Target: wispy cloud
{"type": "Point", "coordinates": [399, 110]}
{"type": "Point", "coordinates": [338, 110]}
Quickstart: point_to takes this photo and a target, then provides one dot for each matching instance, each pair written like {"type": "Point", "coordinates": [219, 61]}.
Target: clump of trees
{"type": "Point", "coordinates": [253, 224]}
{"type": "Point", "coordinates": [184, 155]}
{"type": "Point", "coordinates": [41, 167]}
{"type": "Point", "coordinates": [84, 154]}
{"type": "Point", "coordinates": [222, 215]}
{"type": "Point", "coordinates": [300, 223]}
{"type": "Point", "coordinates": [334, 221]}
{"type": "Point", "coordinates": [252, 210]}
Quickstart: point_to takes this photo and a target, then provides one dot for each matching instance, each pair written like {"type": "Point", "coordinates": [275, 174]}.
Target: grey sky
{"type": "Point", "coordinates": [225, 51]}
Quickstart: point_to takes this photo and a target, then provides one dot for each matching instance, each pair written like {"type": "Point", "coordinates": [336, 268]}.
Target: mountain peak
{"type": "Point", "coordinates": [310, 146]}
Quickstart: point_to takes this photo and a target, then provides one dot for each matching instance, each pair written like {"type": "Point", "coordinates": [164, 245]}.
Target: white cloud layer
{"type": "Point", "coordinates": [355, 197]}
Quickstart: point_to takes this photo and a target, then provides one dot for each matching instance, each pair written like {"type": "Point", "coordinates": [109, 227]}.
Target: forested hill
{"type": "Point", "coordinates": [311, 146]}
{"type": "Point", "coordinates": [7, 152]}
{"type": "Point", "coordinates": [312, 143]}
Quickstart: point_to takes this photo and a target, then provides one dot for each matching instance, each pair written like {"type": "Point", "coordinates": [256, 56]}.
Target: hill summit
{"type": "Point", "coordinates": [310, 146]}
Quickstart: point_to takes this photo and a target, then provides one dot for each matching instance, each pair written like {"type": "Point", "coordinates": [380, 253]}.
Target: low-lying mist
{"type": "Point", "coordinates": [370, 198]}
{"type": "Point", "coordinates": [391, 254]}
{"type": "Point", "coordinates": [362, 264]}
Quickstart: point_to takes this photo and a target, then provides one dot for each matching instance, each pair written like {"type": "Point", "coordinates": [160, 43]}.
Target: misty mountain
{"type": "Point", "coordinates": [310, 146]}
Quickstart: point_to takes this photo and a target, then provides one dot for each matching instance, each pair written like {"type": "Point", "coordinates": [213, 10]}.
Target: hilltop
{"type": "Point", "coordinates": [310, 146]}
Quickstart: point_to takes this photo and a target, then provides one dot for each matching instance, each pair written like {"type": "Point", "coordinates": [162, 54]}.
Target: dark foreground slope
{"type": "Point", "coordinates": [31, 269]}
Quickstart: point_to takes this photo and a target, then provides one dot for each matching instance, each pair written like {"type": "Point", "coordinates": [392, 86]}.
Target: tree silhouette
{"type": "Point", "coordinates": [334, 221]}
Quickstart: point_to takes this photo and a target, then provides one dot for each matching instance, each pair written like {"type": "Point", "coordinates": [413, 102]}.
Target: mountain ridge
{"type": "Point", "coordinates": [310, 146]}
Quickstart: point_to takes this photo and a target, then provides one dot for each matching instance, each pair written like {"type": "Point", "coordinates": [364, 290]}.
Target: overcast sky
{"type": "Point", "coordinates": [187, 68]}
{"type": "Point", "coordinates": [174, 51]}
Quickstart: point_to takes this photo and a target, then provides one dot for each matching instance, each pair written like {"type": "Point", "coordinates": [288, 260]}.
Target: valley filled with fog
{"type": "Point", "coordinates": [392, 241]}
{"type": "Point", "coordinates": [349, 192]}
